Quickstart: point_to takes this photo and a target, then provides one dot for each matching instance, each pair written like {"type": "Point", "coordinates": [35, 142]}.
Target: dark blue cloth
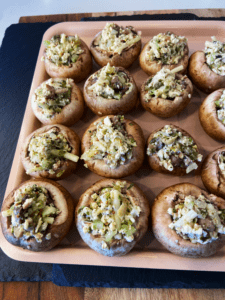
{"type": "Point", "coordinates": [164, 17]}
{"type": "Point", "coordinates": [86, 276]}
{"type": "Point", "coordinates": [18, 55]}
{"type": "Point", "coordinates": [12, 270]}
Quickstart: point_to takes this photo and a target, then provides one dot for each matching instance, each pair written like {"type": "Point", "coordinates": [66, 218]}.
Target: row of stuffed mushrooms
{"type": "Point", "coordinates": [113, 214]}
{"type": "Point", "coordinates": [112, 89]}
{"type": "Point", "coordinates": [112, 146]}
{"type": "Point", "coordinates": [69, 57]}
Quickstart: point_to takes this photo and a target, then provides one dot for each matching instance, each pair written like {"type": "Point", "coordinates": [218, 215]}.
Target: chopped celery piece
{"type": "Point", "coordinates": [60, 173]}
{"type": "Point", "coordinates": [35, 169]}
{"type": "Point", "coordinates": [109, 235]}
{"type": "Point", "coordinates": [66, 155]}
{"type": "Point", "coordinates": [7, 213]}
{"type": "Point", "coordinates": [118, 222]}
{"type": "Point", "coordinates": [122, 210]}
{"type": "Point", "coordinates": [97, 224]}
{"type": "Point", "coordinates": [74, 58]}
{"type": "Point", "coordinates": [49, 220]}
{"type": "Point", "coordinates": [71, 156]}
{"type": "Point", "coordinates": [177, 69]}
{"type": "Point", "coordinates": [128, 231]}
{"type": "Point", "coordinates": [48, 210]}
{"type": "Point", "coordinates": [217, 103]}
{"type": "Point", "coordinates": [46, 43]}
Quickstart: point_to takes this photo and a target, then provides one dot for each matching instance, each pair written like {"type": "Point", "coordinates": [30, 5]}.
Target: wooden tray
{"type": "Point", "coordinates": [148, 253]}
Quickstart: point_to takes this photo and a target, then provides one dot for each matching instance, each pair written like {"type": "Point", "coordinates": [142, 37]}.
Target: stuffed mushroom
{"type": "Point", "coordinates": [166, 93]}
{"type": "Point", "coordinates": [212, 115]}
{"type": "Point", "coordinates": [111, 90]}
{"type": "Point", "coordinates": [165, 50]}
{"type": "Point", "coordinates": [116, 45]}
{"type": "Point", "coordinates": [171, 150]}
{"type": "Point", "coordinates": [188, 221]}
{"type": "Point", "coordinates": [51, 152]}
{"type": "Point", "coordinates": [37, 215]}
{"type": "Point", "coordinates": [67, 57]}
{"type": "Point", "coordinates": [113, 147]}
{"type": "Point", "coordinates": [206, 68]}
{"type": "Point", "coordinates": [213, 172]}
{"type": "Point", "coordinates": [58, 101]}
{"type": "Point", "coordinates": [112, 216]}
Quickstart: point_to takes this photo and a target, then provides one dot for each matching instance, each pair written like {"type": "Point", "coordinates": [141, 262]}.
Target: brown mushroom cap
{"type": "Point", "coordinates": [154, 160]}
{"type": "Point", "coordinates": [166, 108]}
{"type": "Point", "coordinates": [103, 57]}
{"type": "Point", "coordinates": [62, 223]}
{"type": "Point", "coordinates": [101, 106]}
{"type": "Point", "coordinates": [208, 116]}
{"type": "Point", "coordinates": [168, 237]}
{"type": "Point", "coordinates": [68, 166]}
{"type": "Point", "coordinates": [78, 71]}
{"type": "Point", "coordinates": [70, 113]}
{"type": "Point", "coordinates": [101, 168]}
{"type": "Point", "coordinates": [211, 174]}
{"type": "Point", "coordinates": [116, 247]}
{"type": "Point", "coordinates": [153, 67]}
{"type": "Point", "coordinates": [202, 76]}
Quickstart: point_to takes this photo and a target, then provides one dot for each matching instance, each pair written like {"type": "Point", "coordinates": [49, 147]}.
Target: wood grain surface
{"type": "Point", "coordinates": [216, 13]}
{"type": "Point", "coordinates": [47, 290]}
